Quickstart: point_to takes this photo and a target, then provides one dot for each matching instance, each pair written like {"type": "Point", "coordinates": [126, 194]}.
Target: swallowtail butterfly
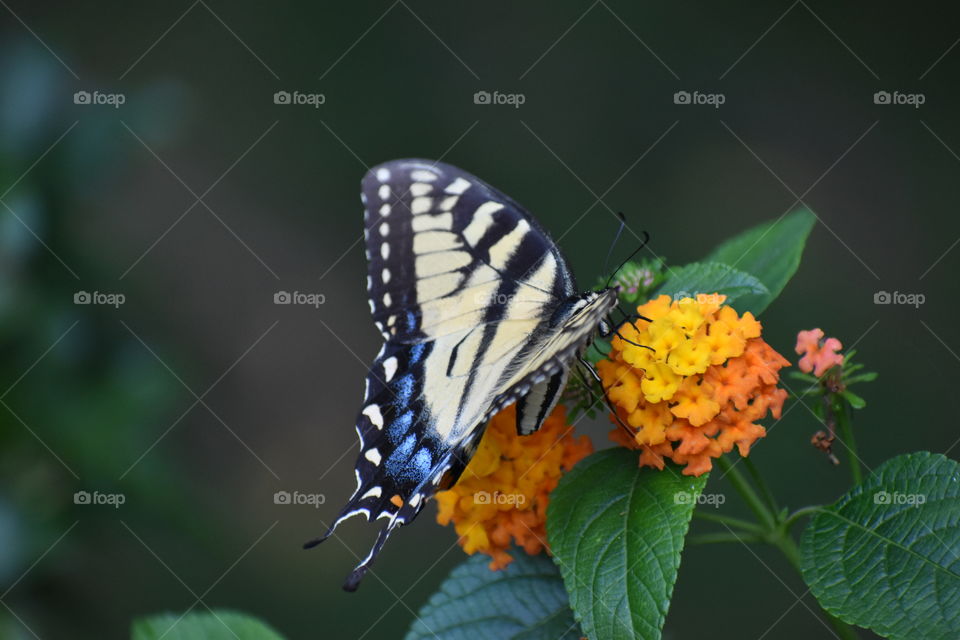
{"type": "Point", "coordinates": [478, 310]}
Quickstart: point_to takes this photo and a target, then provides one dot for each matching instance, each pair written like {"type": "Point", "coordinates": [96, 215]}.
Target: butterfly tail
{"type": "Point", "coordinates": [442, 475]}
{"type": "Point", "coordinates": [353, 580]}
{"type": "Point", "coordinates": [360, 503]}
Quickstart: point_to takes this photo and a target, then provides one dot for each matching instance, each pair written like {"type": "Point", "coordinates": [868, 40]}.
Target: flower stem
{"type": "Point", "coordinates": [761, 484]}
{"type": "Point", "coordinates": [789, 548]}
{"type": "Point", "coordinates": [776, 532]}
{"type": "Point", "coordinates": [766, 517]}
{"type": "Point", "coordinates": [846, 430]}
{"type": "Point", "coordinates": [714, 538]}
{"type": "Point", "coordinates": [737, 523]}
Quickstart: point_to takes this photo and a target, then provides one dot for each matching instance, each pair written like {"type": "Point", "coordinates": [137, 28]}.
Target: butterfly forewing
{"type": "Point", "coordinates": [446, 251]}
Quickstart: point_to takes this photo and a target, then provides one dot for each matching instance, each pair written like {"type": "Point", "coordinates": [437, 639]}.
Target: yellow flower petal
{"type": "Point", "coordinates": [699, 388]}
{"type": "Point", "coordinates": [501, 497]}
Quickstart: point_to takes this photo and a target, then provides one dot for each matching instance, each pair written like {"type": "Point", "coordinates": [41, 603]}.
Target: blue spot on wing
{"type": "Point", "coordinates": [399, 427]}
{"type": "Point", "coordinates": [404, 387]}
{"type": "Point", "coordinates": [416, 352]}
{"type": "Point", "coordinates": [397, 463]}
{"type": "Point", "coordinates": [422, 461]}
{"type": "Point", "coordinates": [411, 321]}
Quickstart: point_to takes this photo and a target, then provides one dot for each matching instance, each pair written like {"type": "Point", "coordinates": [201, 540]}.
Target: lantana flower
{"type": "Point", "coordinates": [692, 382]}
{"type": "Point", "coordinates": [819, 355]}
{"type": "Point", "coordinates": [502, 496]}
{"type": "Point", "coordinates": [830, 375]}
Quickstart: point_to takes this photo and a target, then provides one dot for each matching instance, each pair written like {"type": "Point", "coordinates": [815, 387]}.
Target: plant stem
{"type": "Point", "coordinates": [761, 484]}
{"type": "Point", "coordinates": [775, 532]}
{"type": "Point", "coordinates": [745, 525]}
{"type": "Point", "coordinates": [799, 513]}
{"type": "Point", "coordinates": [789, 548]}
{"type": "Point", "coordinates": [714, 538]}
{"type": "Point", "coordinates": [766, 517]}
{"type": "Point", "coordinates": [846, 430]}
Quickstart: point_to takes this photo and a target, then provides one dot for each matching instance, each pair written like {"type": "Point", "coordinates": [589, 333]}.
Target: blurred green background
{"type": "Point", "coordinates": [198, 398]}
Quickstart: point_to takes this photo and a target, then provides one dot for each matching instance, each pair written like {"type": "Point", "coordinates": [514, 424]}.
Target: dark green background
{"type": "Point", "coordinates": [799, 114]}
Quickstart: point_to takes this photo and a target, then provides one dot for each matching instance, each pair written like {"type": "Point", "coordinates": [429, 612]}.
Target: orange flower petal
{"type": "Point", "coordinates": [699, 390]}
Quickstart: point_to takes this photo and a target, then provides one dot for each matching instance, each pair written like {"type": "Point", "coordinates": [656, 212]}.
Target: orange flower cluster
{"type": "Point", "coordinates": [503, 493]}
{"type": "Point", "coordinates": [819, 355]}
{"type": "Point", "coordinates": [697, 386]}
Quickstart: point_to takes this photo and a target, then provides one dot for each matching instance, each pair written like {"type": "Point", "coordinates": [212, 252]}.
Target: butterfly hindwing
{"type": "Point", "coordinates": [478, 310]}
{"type": "Point", "coordinates": [536, 405]}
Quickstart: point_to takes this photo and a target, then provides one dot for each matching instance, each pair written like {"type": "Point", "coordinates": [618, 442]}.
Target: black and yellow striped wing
{"type": "Point", "coordinates": [478, 310]}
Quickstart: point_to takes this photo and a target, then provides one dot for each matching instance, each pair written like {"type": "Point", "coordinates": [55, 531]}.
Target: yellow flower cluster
{"type": "Point", "coordinates": [502, 496]}
{"type": "Point", "coordinates": [697, 385]}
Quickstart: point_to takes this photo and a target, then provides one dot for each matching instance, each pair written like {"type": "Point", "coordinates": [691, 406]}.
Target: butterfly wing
{"type": "Point", "coordinates": [477, 309]}
{"type": "Point", "coordinates": [443, 248]}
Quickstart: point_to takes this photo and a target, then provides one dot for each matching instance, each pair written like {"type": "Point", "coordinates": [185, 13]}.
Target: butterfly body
{"type": "Point", "coordinates": [477, 309]}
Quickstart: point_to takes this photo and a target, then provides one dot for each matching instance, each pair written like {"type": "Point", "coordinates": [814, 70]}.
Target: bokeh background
{"type": "Point", "coordinates": [198, 198]}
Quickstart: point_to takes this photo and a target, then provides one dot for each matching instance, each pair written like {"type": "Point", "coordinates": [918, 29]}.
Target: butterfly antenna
{"type": "Point", "coordinates": [643, 243]}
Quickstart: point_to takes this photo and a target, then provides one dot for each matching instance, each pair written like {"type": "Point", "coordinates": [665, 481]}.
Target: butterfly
{"type": "Point", "coordinates": [478, 310]}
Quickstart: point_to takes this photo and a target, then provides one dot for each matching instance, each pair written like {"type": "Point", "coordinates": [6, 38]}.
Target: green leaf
{"type": "Point", "coordinates": [855, 401]}
{"type": "Point", "coordinates": [863, 377]}
{"type": "Point", "coordinates": [216, 625]}
{"type": "Point", "coordinates": [709, 278]}
{"type": "Point", "coordinates": [770, 251]}
{"type": "Point", "coordinates": [525, 601]}
{"type": "Point", "coordinates": [886, 556]}
{"type": "Point", "coordinates": [805, 377]}
{"type": "Point", "coordinates": [617, 532]}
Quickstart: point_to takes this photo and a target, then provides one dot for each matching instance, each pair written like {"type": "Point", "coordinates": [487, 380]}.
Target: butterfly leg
{"type": "Point", "coordinates": [606, 399]}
